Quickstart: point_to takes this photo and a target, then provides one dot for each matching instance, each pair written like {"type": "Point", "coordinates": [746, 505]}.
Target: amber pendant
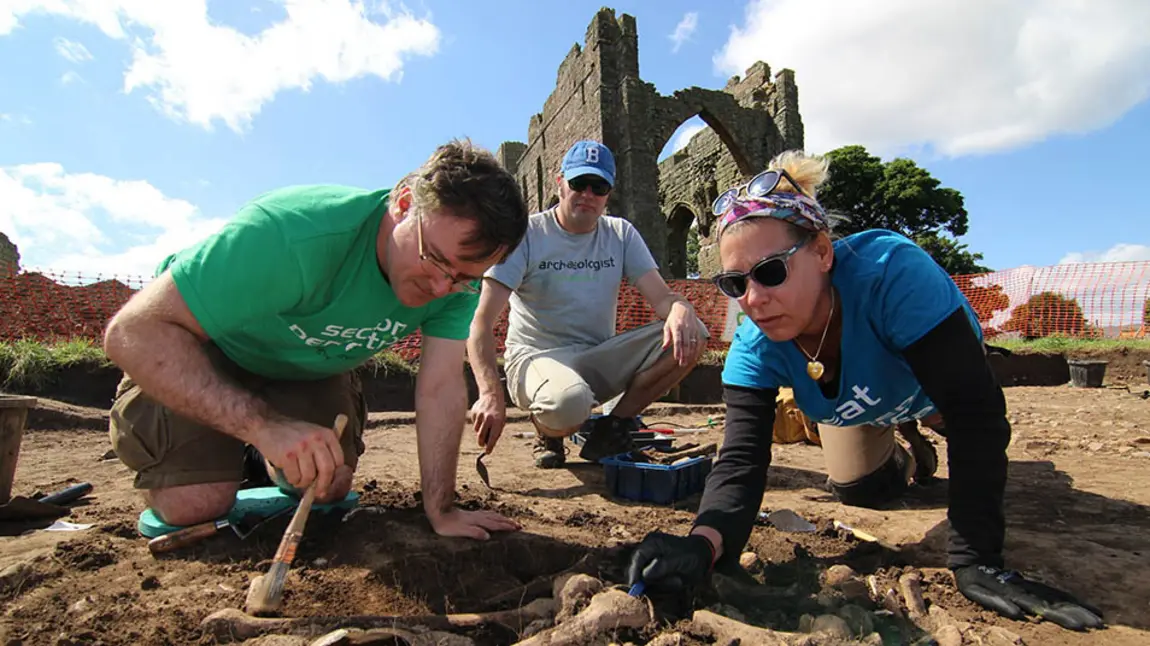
{"type": "Point", "coordinates": [815, 369]}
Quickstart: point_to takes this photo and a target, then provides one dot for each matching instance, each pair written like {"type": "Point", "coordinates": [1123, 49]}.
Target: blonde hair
{"type": "Point", "coordinates": [810, 171]}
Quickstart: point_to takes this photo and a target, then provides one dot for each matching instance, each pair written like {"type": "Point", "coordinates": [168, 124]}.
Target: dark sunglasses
{"type": "Point", "coordinates": [599, 186]}
{"type": "Point", "coordinates": [771, 271]}
{"type": "Point", "coordinates": [762, 184]}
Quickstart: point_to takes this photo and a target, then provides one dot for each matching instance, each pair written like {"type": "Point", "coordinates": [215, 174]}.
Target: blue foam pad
{"type": "Point", "coordinates": [258, 501]}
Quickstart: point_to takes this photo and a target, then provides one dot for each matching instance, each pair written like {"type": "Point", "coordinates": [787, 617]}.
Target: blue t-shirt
{"type": "Point", "coordinates": [891, 293]}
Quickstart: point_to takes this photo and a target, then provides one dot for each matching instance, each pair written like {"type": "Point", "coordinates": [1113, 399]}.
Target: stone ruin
{"type": "Point", "coordinates": [599, 95]}
{"type": "Point", "coordinates": [9, 256]}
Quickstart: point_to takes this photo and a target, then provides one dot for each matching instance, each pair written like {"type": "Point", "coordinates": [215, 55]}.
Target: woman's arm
{"type": "Point", "coordinates": [735, 485]}
{"type": "Point", "coordinates": [950, 363]}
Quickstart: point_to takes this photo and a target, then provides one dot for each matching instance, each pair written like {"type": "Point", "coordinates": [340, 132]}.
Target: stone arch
{"type": "Point", "coordinates": [679, 221]}
{"type": "Point", "coordinates": [599, 94]}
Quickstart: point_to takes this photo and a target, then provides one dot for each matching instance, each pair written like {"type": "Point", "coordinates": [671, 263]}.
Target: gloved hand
{"type": "Point", "coordinates": [667, 561]}
{"type": "Point", "coordinates": [1008, 593]}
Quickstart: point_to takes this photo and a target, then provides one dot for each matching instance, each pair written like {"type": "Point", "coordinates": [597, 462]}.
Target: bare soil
{"type": "Point", "coordinates": [1078, 513]}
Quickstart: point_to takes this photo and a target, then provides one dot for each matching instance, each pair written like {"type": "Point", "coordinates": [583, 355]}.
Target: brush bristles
{"type": "Point", "coordinates": [266, 594]}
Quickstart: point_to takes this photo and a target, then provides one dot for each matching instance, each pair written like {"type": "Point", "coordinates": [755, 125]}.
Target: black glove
{"type": "Point", "coordinates": [666, 561]}
{"type": "Point", "coordinates": [1008, 593]}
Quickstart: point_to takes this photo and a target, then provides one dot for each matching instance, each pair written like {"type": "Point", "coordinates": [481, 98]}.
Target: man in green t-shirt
{"type": "Point", "coordinates": [247, 342]}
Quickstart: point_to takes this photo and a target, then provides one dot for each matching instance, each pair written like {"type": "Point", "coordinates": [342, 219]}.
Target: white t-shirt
{"type": "Point", "coordinates": [565, 286]}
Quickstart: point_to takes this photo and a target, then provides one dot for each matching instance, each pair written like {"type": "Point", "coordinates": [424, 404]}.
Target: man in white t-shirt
{"type": "Point", "coordinates": [563, 357]}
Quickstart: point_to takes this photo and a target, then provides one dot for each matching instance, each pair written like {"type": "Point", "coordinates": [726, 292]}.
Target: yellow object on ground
{"type": "Point", "coordinates": [791, 425]}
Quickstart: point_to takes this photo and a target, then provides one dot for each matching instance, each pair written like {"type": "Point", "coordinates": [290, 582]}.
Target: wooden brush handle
{"type": "Point", "coordinates": [186, 536]}
{"type": "Point", "coordinates": [294, 532]}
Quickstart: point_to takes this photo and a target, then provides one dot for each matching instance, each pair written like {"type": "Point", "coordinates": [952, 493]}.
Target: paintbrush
{"type": "Point", "coordinates": [266, 592]}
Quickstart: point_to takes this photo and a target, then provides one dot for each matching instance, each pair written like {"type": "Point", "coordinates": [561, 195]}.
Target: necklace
{"type": "Point", "coordinates": [815, 368]}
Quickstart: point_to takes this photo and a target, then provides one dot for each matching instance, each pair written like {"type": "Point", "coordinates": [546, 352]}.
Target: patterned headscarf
{"type": "Point", "coordinates": [796, 208]}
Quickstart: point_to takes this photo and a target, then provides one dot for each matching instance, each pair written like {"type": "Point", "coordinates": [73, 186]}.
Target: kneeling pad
{"type": "Point", "coordinates": [257, 501]}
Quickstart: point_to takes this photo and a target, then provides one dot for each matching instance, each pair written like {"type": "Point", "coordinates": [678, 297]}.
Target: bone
{"type": "Point", "coordinates": [539, 586]}
{"type": "Point", "coordinates": [608, 611]}
{"type": "Point", "coordinates": [911, 586]}
{"type": "Point", "coordinates": [725, 630]}
{"type": "Point", "coordinates": [573, 592]}
{"type": "Point", "coordinates": [233, 624]}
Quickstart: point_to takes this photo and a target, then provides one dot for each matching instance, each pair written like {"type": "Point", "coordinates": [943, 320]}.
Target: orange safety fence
{"type": "Point", "coordinates": [1084, 300]}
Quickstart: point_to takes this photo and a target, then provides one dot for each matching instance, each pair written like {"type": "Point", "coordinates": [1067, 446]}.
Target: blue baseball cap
{"type": "Point", "coordinates": [589, 158]}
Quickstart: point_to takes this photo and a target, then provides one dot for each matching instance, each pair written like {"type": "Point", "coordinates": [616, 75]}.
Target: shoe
{"type": "Point", "coordinates": [609, 435]}
{"type": "Point", "coordinates": [549, 452]}
{"type": "Point", "coordinates": [921, 449]}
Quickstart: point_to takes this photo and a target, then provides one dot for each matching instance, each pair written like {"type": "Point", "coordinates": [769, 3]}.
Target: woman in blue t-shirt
{"type": "Point", "coordinates": [872, 335]}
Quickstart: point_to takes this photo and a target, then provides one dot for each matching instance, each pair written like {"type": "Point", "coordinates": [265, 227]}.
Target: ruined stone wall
{"type": "Point", "coordinates": [9, 257]}
{"type": "Point", "coordinates": [713, 161]}
{"type": "Point", "coordinates": [599, 95]}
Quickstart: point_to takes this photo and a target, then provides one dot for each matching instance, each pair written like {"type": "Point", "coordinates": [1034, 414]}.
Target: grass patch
{"type": "Point", "coordinates": [713, 358]}
{"type": "Point", "coordinates": [1070, 345]}
{"type": "Point", "coordinates": [30, 364]}
{"type": "Point", "coordinates": [390, 363]}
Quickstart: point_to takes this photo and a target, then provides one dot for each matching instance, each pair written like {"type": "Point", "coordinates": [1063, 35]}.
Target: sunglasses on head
{"type": "Point", "coordinates": [762, 184]}
{"type": "Point", "coordinates": [771, 271]}
{"type": "Point", "coordinates": [599, 186]}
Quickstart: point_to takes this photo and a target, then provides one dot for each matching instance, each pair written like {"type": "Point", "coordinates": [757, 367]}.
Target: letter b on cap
{"type": "Point", "coordinates": [592, 155]}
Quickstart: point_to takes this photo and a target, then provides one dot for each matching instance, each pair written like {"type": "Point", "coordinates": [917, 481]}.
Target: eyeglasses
{"type": "Point", "coordinates": [771, 271]}
{"type": "Point", "coordinates": [599, 186]}
{"type": "Point", "coordinates": [762, 184]}
{"type": "Point", "coordinates": [465, 285]}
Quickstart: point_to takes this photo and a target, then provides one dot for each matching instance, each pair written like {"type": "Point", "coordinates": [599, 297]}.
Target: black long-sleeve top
{"type": "Point", "coordinates": [950, 365]}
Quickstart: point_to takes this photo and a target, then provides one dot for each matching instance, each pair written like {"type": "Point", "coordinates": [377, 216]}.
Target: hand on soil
{"type": "Point", "coordinates": [1011, 595]}
{"type": "Point", "coordinates": [664, 560]}
{"type": "Point", "coordinates": [305, 452]}
{"type": "Point", "coordinates": [472, 524]}
{"type": "Point", "coordinates": [488, 416]}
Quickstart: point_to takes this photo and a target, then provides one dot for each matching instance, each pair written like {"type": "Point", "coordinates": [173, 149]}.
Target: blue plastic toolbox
{"type": "Point", "coordinates": [656, 483]}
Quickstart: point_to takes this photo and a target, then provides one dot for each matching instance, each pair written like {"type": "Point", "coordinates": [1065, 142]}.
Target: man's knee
{"type": "Point", "coordinates": [340, 484]}
{"type": "Point", "coordinates": [563, 413]}
{"type": "Point", "coordinates": [192, 504]}
{"type": "Point", "coordinates": [875, 489]}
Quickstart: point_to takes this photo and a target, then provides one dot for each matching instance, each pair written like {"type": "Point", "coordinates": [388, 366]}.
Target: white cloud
{"type": "Point", "coordinates": [684, 134]}
{"type": "Point", "coordinates": [195, 70]}
{"type": "Point", "coordinates": [1122, 252]}
{"type": "Point", "coordinates": [53, 217]}
{"type": "Point", "coordinates": [684, 30]}
{"type": "Point", "coordinates": [70, 77]}
{"type": "Point", "coordinates": [18, 119]}
{"type": "Point", "coordinates": [960, 76]}
{"type": "Point", "coordinates": [72, 51]}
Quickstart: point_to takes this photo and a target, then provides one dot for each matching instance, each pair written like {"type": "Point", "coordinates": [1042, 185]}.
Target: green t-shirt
{"type": "Point", "coordinates": [291, 288]}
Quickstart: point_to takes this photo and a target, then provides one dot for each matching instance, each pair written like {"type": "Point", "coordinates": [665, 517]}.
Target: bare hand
{"type": "Point", "coordinates": [472, 524]}
{"type": "Point", "coordinates": [305, 452]}
{"type": "Point", "coordinates": [684, 332]}
{"type": "Point", "coordinates": [488, 417]}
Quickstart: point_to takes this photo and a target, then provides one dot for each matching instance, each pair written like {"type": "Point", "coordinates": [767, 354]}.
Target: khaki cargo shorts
{"type": "Point", "coordinates": [561, 387]}
{"type": "Point", "coordinates": [167, 450]}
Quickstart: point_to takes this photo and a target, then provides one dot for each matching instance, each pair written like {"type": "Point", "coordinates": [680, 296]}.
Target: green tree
{"type": "Point", "coordinates": [692, 251]}
{"type": "Point", "coordinates": [900, 196]}
{"type": "Point", "coordinates": [1146, 313]}
{"type": "Point", "coordinates": [1047, 314]}
{"type": "Point", "coordinates": [951, 254]}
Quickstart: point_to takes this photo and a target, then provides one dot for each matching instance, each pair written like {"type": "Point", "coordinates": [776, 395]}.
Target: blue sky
{"type": "Point", "coordinates": [129, 128]}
